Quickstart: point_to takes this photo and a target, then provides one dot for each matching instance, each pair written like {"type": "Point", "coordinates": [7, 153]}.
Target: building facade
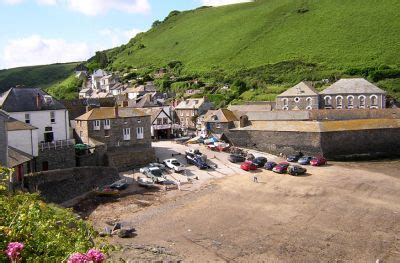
{"type": "Point", "coordinates": [219, 121]}
{"type": "Point", "coordinates": [303, 96]}
{"type": "Point", "coordinates": [189, 109]}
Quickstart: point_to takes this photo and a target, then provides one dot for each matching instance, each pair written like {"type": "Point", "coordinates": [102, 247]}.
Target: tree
{"type": "Point", "coordinates": [156, 23]}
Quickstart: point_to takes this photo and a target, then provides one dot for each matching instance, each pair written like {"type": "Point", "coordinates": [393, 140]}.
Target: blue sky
{"type": "Point", "coordinates": [35, 32]}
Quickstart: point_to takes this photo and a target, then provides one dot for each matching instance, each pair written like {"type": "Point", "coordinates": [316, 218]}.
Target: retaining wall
{"type": "Point", "coordinates": [58, 186]}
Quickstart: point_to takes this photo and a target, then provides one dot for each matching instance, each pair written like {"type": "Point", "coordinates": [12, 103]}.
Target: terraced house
{"type": "Point", "coordinates": [189, 109]}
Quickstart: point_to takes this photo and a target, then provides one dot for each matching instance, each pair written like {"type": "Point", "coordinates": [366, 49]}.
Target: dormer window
{"type": "Point", "coordinates": [48, 99]}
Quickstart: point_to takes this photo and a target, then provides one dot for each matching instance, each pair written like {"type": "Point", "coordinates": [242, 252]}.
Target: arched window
{"type": "Point", "coordinates": [309, 108]}
{"type": "Point", "coordinates": [285, 102]}
{"type": "Point", "coordinates": [339, 102]}
{"type": "Point", "coordinates": [374, 101]}
{"type": "Point", "coordinates": [350, 102]}
{"type": "Point", "coordinates": [328, 101]}
{"type": "Point", "coordinates": [309, 101]}
{"type": "Point", "coordinates": [362, 101]}
{"type": "Point", "coordinates": [286, 108]}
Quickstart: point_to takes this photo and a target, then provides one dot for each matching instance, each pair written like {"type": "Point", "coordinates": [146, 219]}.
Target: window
{"type": "Point", "coordinates": [96, 125]}
{"type": "Point", "coordinates": [297, 99]}
{"type": "Point", "coordinates": [328, 101]}
{"type": "Point", "coordinates": [27, 118]}
{"type": "Point", "coordinates": [165, 120]}
{"type": "Point", "coordinates": [187, 114]}
{"type": "Point", "coordinates": [309, 108]}
{"type": "Point", "coordinates": [362, 101]}
{"type": "Point", "coordinates": [285, 102]}
{"type": "Point", "coordinates": [107, 124]}
{"type": "Point", "coordinates": [218, 125]}
{"type": "Point", "coordinates": [52, 117]}
{"type": "Point", "coordinates": [159, 121]}
{"type": "Point", "coordinates": [106, 133]}
{"type": "Point", "coordinates": [350, 102]}
{"type": "Point", "coordinates": [339, 102]}
{"type": "Point", "coordinates": [192, 113]}
{"type": "Point", "coordinates": [309, 101]}
{"type": "Point", "coordinates": [286, 108]}
{"type": "Point", "coordinates": [127, 134]}
{"type": "Point", "coordinates": [374, 101]}
{"type": "Point", "coordinates": [139, 133]}
{"type": "Point", "coordinates": [139, 121]}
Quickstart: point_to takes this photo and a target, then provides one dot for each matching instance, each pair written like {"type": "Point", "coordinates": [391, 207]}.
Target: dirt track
{"type": "Point", "coordinates": [341, 212]}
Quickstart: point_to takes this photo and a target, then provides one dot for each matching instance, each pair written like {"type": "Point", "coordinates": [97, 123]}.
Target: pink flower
{"type": "Point", "coordinates": [95, 255]}
{"type": "Point", "coordinates": [78, 258]}
{"type": "Point", "coordinates": [14, 250]}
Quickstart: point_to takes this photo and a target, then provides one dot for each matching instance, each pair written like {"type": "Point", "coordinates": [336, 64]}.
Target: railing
{"type": "Point", "coordinates": [56, 144]}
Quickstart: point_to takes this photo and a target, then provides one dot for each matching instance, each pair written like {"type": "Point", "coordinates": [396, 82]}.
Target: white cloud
{"type": "Point", "coordinates": [223, 2]}
{"type": "Point", "coordinates": [36, 50]}
{"type": "Point", "coordinates": [118, 36]}
{"type": "Point", "coordinates": [95, 7]}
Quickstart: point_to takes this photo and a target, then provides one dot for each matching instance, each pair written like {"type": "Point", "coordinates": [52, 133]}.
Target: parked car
{"type": "Point", "coordinates": [173, 164]}
{"type": "Point", "coordinates": [159, 165]}
{"type": "Point", "coordinates": [154, 173]}
{"type": "Point", "coordinates": [270, 165]}
{"type": "Point", "coordinates": [296, 170]}
{"type": "Point", "coordinates": [119, 185]}
{"type": "Point", "coordinates": [295, 158]}
{"type": "Point", "coordinates": [236, 158]}
{"type": "Point", "coordinates": [248, 166]}
{"type": "Point", "coordinates": [260, 161]}
{"type": "Point", "coordinates": [318, 161]}
{"type": "Point", "coordinates": [305, 160]}
{"type": "Point", "coordinates": [281, 168]}
{"type": "Point", "coordinates": [197, 160]}
{"type": "Point", "coordinates": [145, 181]}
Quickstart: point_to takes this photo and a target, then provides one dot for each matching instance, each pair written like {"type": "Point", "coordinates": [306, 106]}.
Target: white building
{"type": "Point", "coordinates": [37, 108]}
{"type": "Point", "coordinates": [96, 78]}
{"type": "Point", "coordinates": [23, 137]}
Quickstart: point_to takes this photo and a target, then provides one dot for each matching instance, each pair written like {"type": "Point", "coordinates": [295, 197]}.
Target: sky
{"type": "Point", "coordinates": [37, 32]}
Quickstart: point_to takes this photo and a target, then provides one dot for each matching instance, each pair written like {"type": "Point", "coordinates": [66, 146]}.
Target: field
{"type": "Point", "coordinates": [343, 212]}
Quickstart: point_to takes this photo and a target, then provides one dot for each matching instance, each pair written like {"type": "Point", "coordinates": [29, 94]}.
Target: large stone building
{"type": "Point", "coordinates": [303, 96]}
{"type": "Point", "coordinates": [354, 93]}
{"type": "Point", "coordinates": [189, 109]}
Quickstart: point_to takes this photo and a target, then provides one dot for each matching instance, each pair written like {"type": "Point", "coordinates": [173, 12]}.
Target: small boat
{"type": "Point", "coordinates": [105, 191]}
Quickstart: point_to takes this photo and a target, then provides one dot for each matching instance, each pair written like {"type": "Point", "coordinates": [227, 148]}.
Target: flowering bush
{"type": "Point", "coordinates": [95, 255]}
{"type": "Point", "coordinates": [48, 233]}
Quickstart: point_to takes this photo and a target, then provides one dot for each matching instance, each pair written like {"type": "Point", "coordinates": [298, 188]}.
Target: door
{"type": "Point", "coordinates": [45, 166]}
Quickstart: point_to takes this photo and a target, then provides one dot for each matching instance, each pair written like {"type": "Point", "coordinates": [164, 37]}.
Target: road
{"type": "Point", "coordinates": [344, 212]}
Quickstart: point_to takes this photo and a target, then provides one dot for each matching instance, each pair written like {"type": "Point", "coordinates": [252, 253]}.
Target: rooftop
{"type": "Point", "coordinates": [221, 115]}
{"type": "Point", "coordinates": [301, 89]}
{"type": "Point", "coordinates": [190, 104]}
{"type": "Point", "coordinates": [16, 125]}
{"type": "Point", "coordinates": [352, 86]}
{"type": "Point", "coordinates": [109, 113]}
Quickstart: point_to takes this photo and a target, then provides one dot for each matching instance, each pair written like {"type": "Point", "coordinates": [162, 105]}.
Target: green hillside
{"type": "Point", "coordinates": [338, 34]}
{"type": "Point", "coordinates": [38, 76]}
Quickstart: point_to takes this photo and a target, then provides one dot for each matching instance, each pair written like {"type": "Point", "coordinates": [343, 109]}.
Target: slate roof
{"type": "Point", "coordinates": [154, 112]}
{"type": "Point", "coordinates": [24, 99]}
{"type": "Point", "coordinates": [301, 89]}
{"type": "Point", "coordinates": [17, 157]}
{"type": "Point", "coordinates": [16, 125]}
{"type": "Point", "coordinates": [190, 104]}
{"type": "Point", "coordinates": [109, 113]}
{"type": "Point", "coordinates": [223, 115]}
{"type": "Point", "coordinates": [352, 86]}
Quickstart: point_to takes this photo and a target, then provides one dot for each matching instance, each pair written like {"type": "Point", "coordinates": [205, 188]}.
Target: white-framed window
{"type": "Point", "coordinates": [192, 113]}
{"type": "Point", "coordinates": [361, 100]}
{"type": "Point", "coordinates": [107, 124]}
{"type": "Point", "coordinates": [139, 121]}
{"type": "Point", "coordinates": [52, 117]}
{"type": "Point", "coordinates": [127, 133]}
{"type": "Point", "coordinates": [285, 101]}
{"type": "Point", "coordinates": [350, 101]}
{"type": "Point", "coordinates": [139, 133]}
{"type": "Point", "coordinates": [182, 113]}
{"type": "Point", "coordinates": [309, 101]}
{"type": "Point", "coordinates": [374, 101]}
{"type": "Point", "coordinates": [27, 118]}
{"type": "Point", "coordinates": [96, 125]}
{"type": "Point", "coordinates": [328, 101]}
{"type": "Point", "coordinates": [309, 108]}
{"type": "Point", "coordinates": [297, 99]}
{"type": "Point", "coordinates": [286, 108]}
{"type": "Point", "coordinates": [339, 102]}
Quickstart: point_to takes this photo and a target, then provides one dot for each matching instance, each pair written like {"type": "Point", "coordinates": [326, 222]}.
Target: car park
{"type": "Point", "coordinates": [296, 170]}
{"type": "Point", "coordinates": [318, 161]}
{"type": "Point", "coordinates": [174, 165]}
{"type": "Point", "coordinates": [145, 182]}
{"type": "Point", "coordinates": [270, 165]}
{"type": "Point", "coordinates": [236, 158]}
{"type": "Point", "coordinates": [281, 168]}
{"type": "Point", "coordinates": [305, 160]}
{"type": "Point", "coordinates": [248, 166]}
{"type": "Point", "coordinates": [260, 161]}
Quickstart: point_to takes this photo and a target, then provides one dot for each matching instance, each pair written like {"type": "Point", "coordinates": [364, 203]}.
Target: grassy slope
{"type": "Point", "coordinates": [38, 76]}
{"type": "Point", "coordinates": [337, 33]}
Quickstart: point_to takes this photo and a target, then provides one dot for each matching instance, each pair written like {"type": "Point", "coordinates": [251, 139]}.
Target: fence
{"type": "Point", "coordinates": [56, 144]}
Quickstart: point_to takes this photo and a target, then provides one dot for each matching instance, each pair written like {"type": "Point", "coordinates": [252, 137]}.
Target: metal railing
{"type": "Point", "coordinates": [56, 144]}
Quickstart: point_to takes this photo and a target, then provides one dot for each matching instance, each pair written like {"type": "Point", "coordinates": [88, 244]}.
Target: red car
{"type": "Point", "coordinates": [248, 166]}
{"type": "Point", "coordinates": [318, 161]}
{"type": "Point", "coordinates": [281, 168]}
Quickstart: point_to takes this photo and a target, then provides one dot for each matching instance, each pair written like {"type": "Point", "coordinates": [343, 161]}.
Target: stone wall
{"type": "Point", "coordinates": [56, 158]}
{"type": "Point", "coordinates": [127, 158]}
{"type": "Point", "coordinates": [59, 186]}
{"type": "Point", "coordinates": [3, 140]}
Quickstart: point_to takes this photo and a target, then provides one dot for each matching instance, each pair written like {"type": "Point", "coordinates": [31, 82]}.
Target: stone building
{"type": "Point", "coordinates": [189, 109]}
{"type": "Point", "coordinates": [122, 134]}
{"type": "Point", "coordinates": [355, 93]}
{"type": "Point", "coordinates": [3, 139]}
{"type": "Point", "coordinates": [162, 123]}
{"type": "Point", "coordinates": [219, 121]}
{"type": "Point", "coordinates": [303, 96]}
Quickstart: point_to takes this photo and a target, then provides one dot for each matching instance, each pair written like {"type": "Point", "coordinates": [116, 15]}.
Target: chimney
{"type": "Point", "coordinates": [38, 101]}
{"type": "Point", "coordinates": [116, 113]}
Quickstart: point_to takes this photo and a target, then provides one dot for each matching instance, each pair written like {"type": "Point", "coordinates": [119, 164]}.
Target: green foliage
{"type": "Point", "coordinates": [156, 23]}
{"type": "Point", "coordinates": [392, 86]}
{"type": "Point", "coordinates": [99, 61]}
{"type": "Point", "coordinates": [67, 89]}
{"type": "Point", "coordinates": [49, 233]}
{"type": "Point", "coordinates": [36, 76]}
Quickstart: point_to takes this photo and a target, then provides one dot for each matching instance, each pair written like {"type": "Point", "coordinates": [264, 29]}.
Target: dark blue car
{"type": "Point", "coordinates": [305, 160]}
{"type": "Point", "coordinates": [197, 161]}
{"type": "Point", "coordinates": [270, 165]}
